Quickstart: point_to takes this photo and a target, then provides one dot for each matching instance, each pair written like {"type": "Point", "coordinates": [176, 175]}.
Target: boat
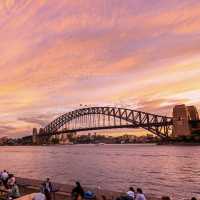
{"type": "Point", "coordinates": [100, 144]}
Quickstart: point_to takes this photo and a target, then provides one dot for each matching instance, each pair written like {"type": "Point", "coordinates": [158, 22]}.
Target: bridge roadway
{"type": "Point", "coordinates": [145, 126]}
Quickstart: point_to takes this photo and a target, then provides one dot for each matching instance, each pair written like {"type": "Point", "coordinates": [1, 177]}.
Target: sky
{"type": "Point", "coordinates": [56, 55]}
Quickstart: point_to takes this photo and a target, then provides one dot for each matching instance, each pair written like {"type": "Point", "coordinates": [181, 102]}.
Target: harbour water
{"type": "Point", "coordinates": [159, 170]}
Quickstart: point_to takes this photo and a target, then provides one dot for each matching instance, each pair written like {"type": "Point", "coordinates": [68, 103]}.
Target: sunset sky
{"type": "Point", "coordinates": [58, 54]}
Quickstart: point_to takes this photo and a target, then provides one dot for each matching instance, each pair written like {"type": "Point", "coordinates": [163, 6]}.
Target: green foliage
{"type": "Point", "coordinates": [55, 141]}
{"type": "Point", "coordinates": [194, 138]}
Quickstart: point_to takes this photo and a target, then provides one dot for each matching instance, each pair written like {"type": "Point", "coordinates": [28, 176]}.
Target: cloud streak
{"type": "Point", "coordinates": [55, 56]}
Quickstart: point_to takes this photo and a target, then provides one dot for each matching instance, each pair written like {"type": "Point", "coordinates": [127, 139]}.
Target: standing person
{"type": "Point", "coordinates": [77, 192]}
{"type": "Point", "coordinates": [140, 195]}
{"type": "Point", "coordinates": [47, 188]}
{"type": "Point", "coordinates": [4, 177]}
{"type": "Point", "coordinates": [131, 193]}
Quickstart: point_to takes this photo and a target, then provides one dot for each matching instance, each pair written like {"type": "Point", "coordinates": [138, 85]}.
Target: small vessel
{"type": "Point", "coordinates": [100, 144]}
{"type": "Point", "coordinates": [70, 143]}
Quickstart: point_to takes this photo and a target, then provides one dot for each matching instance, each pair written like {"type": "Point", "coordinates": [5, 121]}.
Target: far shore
{"type": "Point", "coordinates": [136, 144]}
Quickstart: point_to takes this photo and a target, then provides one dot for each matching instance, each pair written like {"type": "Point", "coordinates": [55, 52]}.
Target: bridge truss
{"type": "Point", "coordinates": [96, 118]}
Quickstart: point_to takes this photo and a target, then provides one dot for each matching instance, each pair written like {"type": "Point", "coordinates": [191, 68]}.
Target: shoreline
{"type": "Point", "coordinates": [179, 144]}
{"type": "Point", "coordinates": [135, 144]}
{"type": "Point", "coordinates": [28, 186]}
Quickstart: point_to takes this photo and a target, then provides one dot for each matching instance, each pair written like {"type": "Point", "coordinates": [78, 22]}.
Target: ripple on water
{"type": "Point", "coordinates": [157, 169]}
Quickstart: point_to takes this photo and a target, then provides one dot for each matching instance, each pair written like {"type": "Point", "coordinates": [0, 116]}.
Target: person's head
{"type": "Point", "coordinates": [4, 170]}
{"type": "Point", "coordinates": [47, 179]}
{"type": "Point", "coordinates": [103, 197]}
{"type": "Point", "coordinates": [165, 198]}
{"type": "Point", "coordinates": [78, 184]}
{"type": "Point", "coordinates": [193, 198]}
{"type": "Point", "coordinates": [139, 190]}
{"type": "Point", "coordinates": [131, 189]}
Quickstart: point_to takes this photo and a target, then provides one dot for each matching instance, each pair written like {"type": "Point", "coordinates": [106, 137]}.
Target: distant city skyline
{"type": "Point", "coordinates": [58, 55]}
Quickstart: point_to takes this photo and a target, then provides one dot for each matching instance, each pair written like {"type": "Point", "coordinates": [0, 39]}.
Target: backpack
{"type": "Point", "coordinates": [89, 195]}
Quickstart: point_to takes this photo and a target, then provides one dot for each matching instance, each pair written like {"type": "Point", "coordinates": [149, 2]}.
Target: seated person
{"type": "Point", "coordinates": [140, 195]}
{"type": "Point", "coordinates": [131, 193]}
{"type": "Point", "coordinates": [39, 196]}
{"type": "Point", "coordinates": [77, 192]}
{"type": "Point", "coordinates": [165, 198]}
{"type": "Point", "coordinates": [13, 193]}
{"type": "Point", "coordinates": [11, 180]}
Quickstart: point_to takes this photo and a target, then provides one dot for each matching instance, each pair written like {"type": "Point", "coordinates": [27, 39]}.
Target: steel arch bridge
{"type": "Point", "coordinates": [97, 118]}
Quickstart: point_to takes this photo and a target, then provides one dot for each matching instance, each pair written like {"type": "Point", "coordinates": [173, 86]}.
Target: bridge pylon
{"type": "Point", "coordinates": [34, 136]}
{"type": "Point", "coordinates": [182, 115]}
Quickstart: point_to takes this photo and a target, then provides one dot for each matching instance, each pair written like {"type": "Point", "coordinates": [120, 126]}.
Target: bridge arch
{"type": "Point", "coordinates": [156, 124]}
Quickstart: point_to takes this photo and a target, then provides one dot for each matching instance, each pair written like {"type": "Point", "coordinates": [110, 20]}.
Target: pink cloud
{"type": "Point", "coordinates": [55, 56]}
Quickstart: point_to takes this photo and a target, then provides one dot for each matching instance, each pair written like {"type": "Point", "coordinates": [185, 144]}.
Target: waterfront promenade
{"type": "Point", "coordinates": [60, 191]}
{"type": "Point", "coordinates": [63, 191]}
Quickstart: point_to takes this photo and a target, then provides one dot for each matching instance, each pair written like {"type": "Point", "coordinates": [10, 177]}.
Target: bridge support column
{"type": "Point", "coordinates": [34, 136]}
{"type": "Point", "coordinates": [181, 117]}
{"type": "Point", "coordinates": [41, 131]}
{"type": "Point", "coordinates": [57, 138]}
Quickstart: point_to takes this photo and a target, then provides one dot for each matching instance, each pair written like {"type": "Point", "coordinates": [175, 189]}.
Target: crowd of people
{"type": "Point", "coordinates": [8, 182]}
{"type": "Point", "coordinates": [138, 195]}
